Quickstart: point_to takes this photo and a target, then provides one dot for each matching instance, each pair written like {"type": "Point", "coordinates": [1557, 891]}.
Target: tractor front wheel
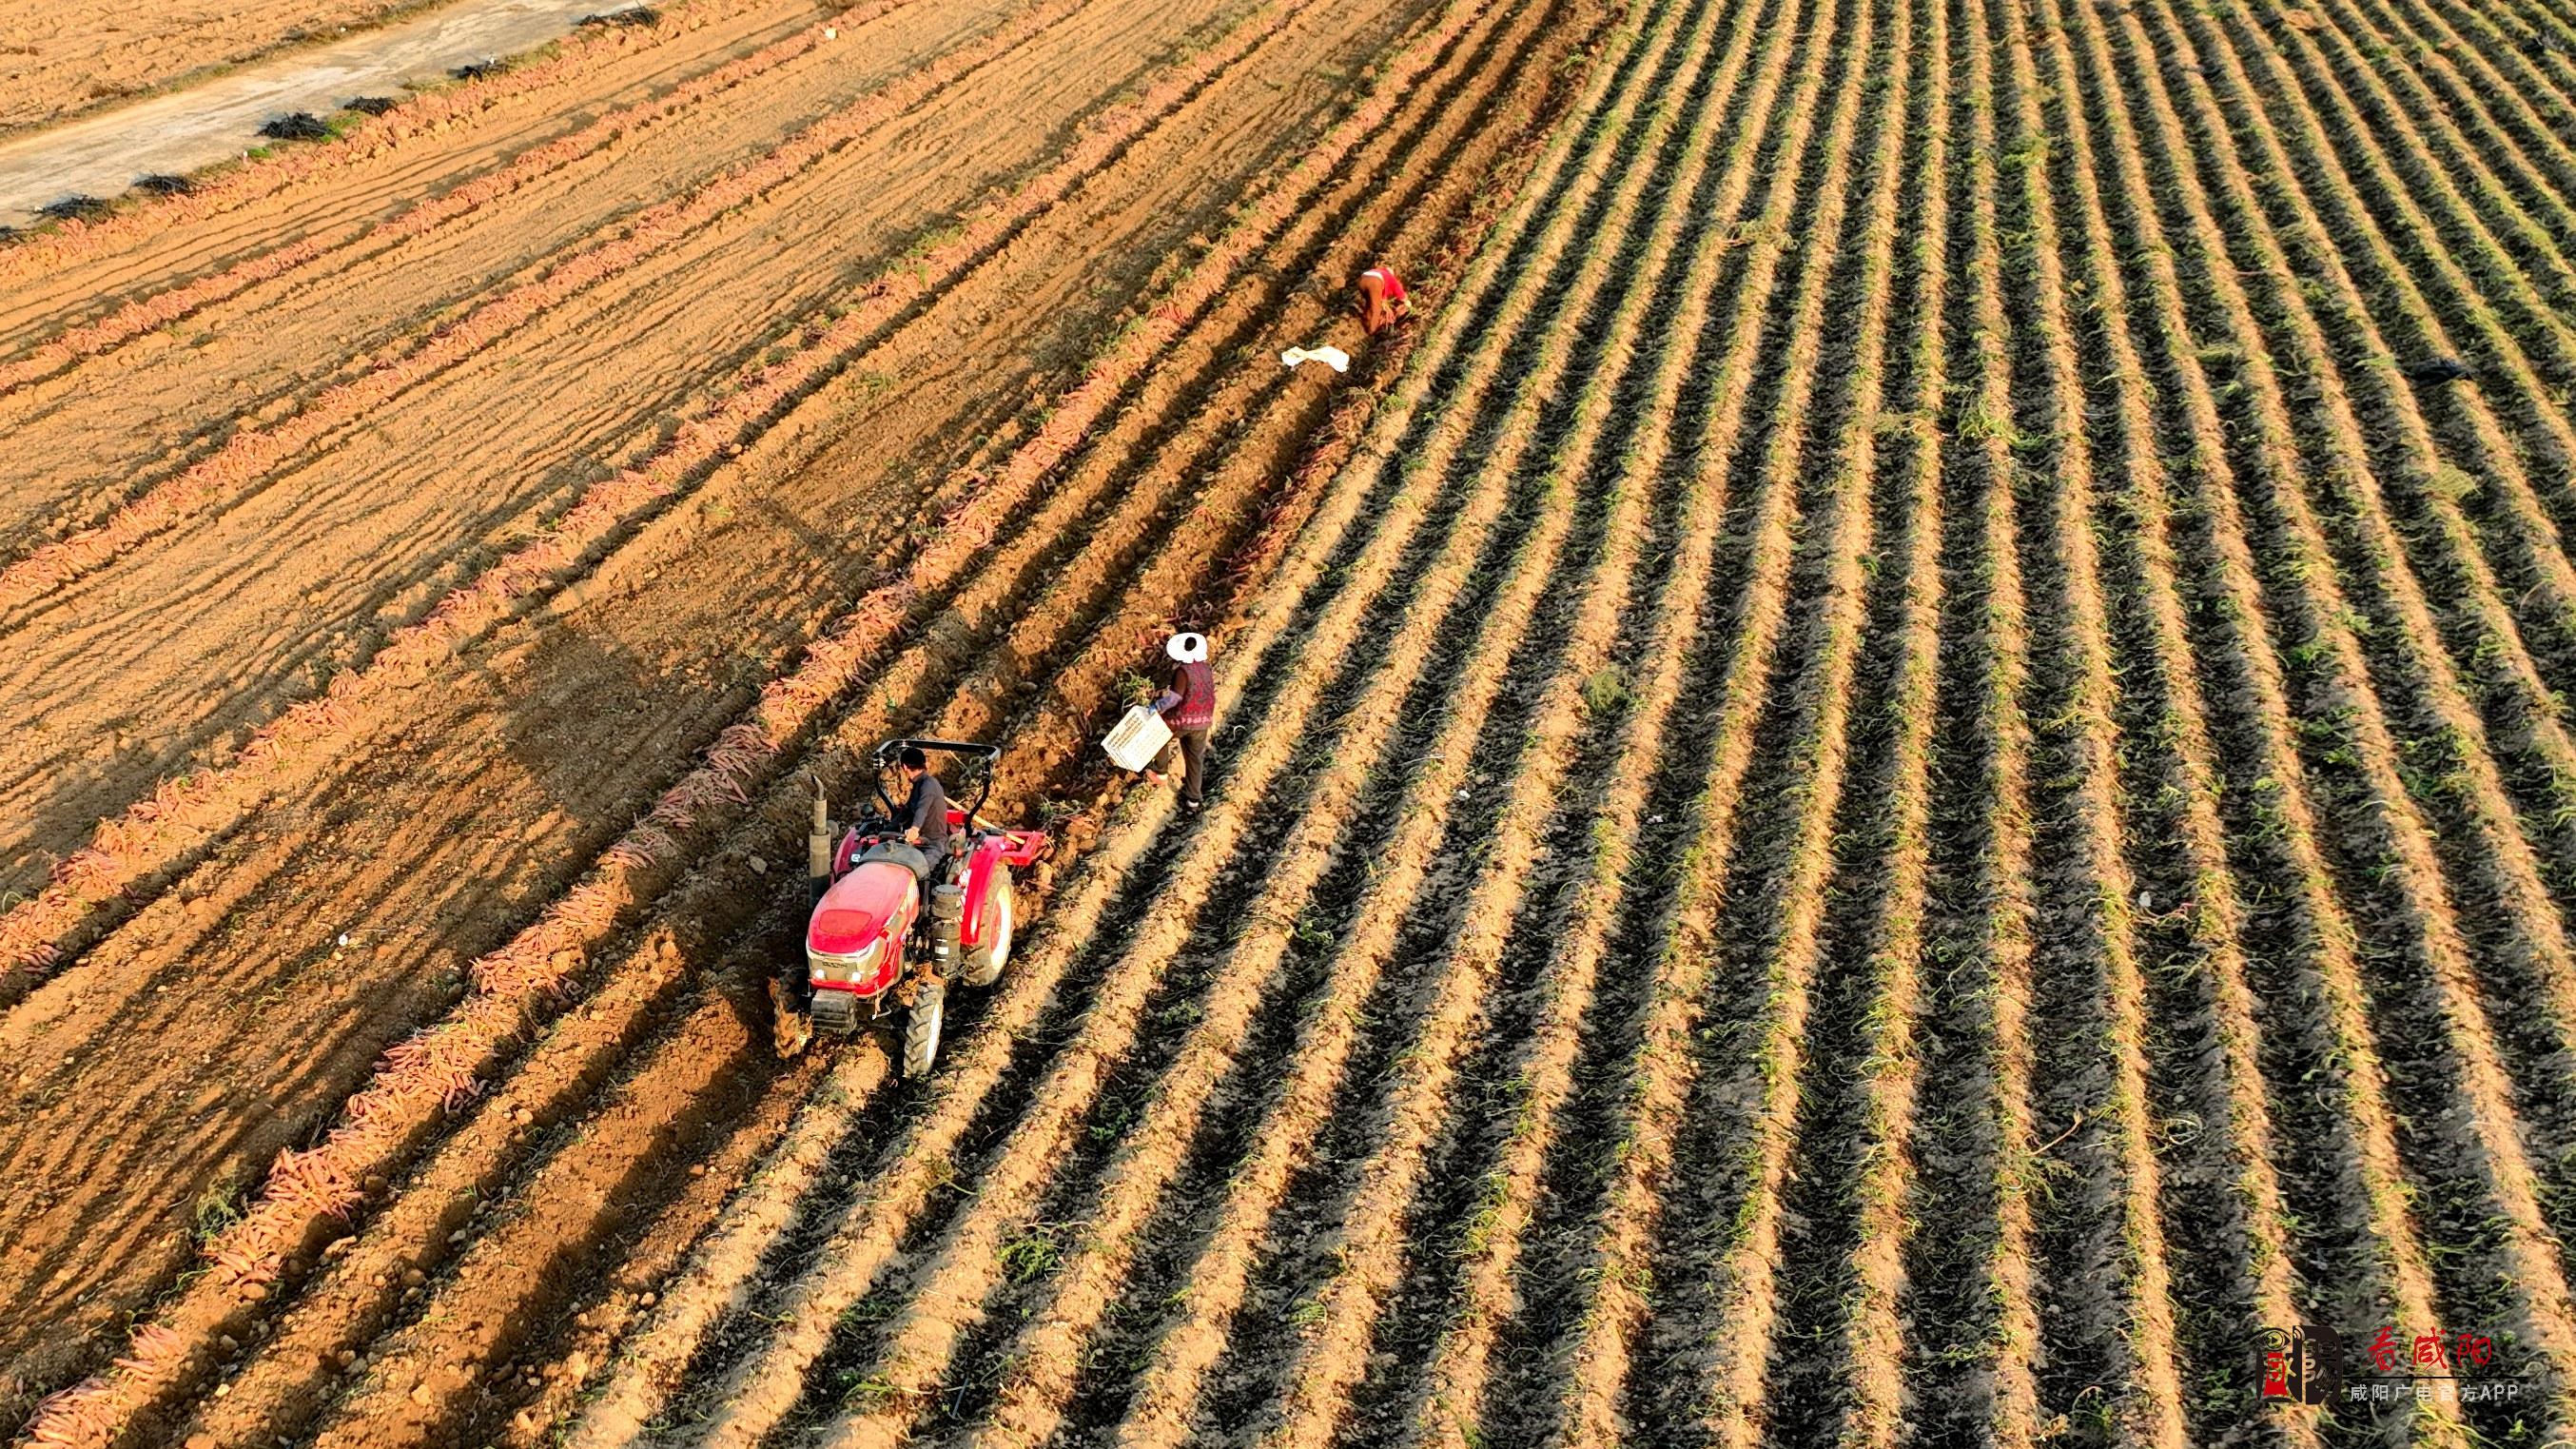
{"type": "Point", "coordinates": [921, 1029]}
{"type": "Point", "coordinates": [985, 960]}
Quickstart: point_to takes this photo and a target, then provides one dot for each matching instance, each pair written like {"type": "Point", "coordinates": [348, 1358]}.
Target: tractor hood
{"type": "Point", "coordinates": [860, 907]}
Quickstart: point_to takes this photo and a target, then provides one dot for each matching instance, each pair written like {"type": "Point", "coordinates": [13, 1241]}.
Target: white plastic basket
{"type": "Point", "coordinates": [1138, 739]}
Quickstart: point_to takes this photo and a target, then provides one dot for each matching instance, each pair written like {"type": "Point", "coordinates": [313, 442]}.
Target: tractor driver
{"type": "Point", "coordinates": [924, 816]}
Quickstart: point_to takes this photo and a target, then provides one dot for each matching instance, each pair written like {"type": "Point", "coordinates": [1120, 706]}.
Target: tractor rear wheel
{"type": "Point", "coordinates": [921, 1029]}
{"type": "Point", "coordinates": [985, 960]}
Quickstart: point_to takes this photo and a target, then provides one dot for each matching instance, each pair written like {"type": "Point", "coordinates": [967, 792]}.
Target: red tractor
{"type": "Point", "coordinates": [891, 928]}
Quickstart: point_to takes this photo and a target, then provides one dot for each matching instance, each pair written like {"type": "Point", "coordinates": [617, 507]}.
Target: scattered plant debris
{"type": "Point", "coordinates": [296, 126]}
{"type": "Point", "coordinates": [372, 105]}
{"type": "Point", "coordinates": [76, 207]}
{"type": "Point", "coordinates": [162, 183]}
{"type": "Point", "coordinates": [631, 15]}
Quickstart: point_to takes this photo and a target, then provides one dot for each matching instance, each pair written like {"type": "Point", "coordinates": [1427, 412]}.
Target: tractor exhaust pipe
{"type": "Point", "coordinates": [818, 844]}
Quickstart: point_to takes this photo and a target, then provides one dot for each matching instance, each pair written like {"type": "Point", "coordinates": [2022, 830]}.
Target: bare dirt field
{"type": "Point", "coordinates": [61, 57]}
{"type": "Point", "coordinates": [1900, 770]}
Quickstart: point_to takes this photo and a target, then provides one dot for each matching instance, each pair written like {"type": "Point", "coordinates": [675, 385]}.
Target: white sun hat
{"type": "Point", "coordinates": [1187, 648]}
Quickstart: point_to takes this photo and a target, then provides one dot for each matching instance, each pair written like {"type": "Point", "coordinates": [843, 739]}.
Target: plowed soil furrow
{"type": "Point", "coordinates": [1969, 1281]}
{"type": "Point", "coordinates": [685, 1089]}
{"type": "Point", "coordinates": [183, 812]}
{"type": "Point", "coordinates": [1449, 1402]}
{"type": "Point", "coordinates": [568, 158]}
{"type": "Point", "coordinates": [2301, 941]}
{"type": "Point", "coordinates": [2106, 1311]}
{"type": "Point", "coordinates": [1355, 1021]}
{"type": "Point", "coordinates": [2527, 534]}
{"type": "Point", "coordinates": [341, 335]}
{"type": "Point", "coordinates": [1513, 1407]}
{"type": "Point", "coordinates": [2498, 43]}
{"type": "Point", "coordinates": [1596, 1341]}
{"type": "Point", "coordinates": [1837, 1342]}
{"type": "Point", "coordinates": [1453, 951]}
{"type": "Point", "coordinates": [391, 516]}
{"type": "Point", "coordinates": [281, 902]}
{"type": "Point", "coordinates": [2221, 1204]}
{"type": "Point", "coordinates": [2497, 654]}
{"type": "Point", "coordinates": [2359, 178]}
{"type": "Point", "coordinates": [1210, 1379]}
{"type": "Point", "coordinates": [1368, 1250]}
{"type": "Point", "coordinates": [1024, 1409]}
{"type": "Point", "coordinates": [2357, 1192]}
{"type": "Point", "coordinates": [301, 197]}
{"type": "Point", "coordinates": [1729, 1168]}
{"type": "Point", "coordinates": [2524, 262]}
{"type": "Point", "coordinates": [2539, 167]}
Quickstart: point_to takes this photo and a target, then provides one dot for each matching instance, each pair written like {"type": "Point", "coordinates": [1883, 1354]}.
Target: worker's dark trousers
{"type": "Point", "coordinates": [1193, 745]}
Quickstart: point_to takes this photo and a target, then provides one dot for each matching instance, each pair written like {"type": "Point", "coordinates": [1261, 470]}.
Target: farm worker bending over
{"type": "Point", "coordinates": [1382, 299]}
{"type": "Point", "coordinates": [924, 816]}
{"type": "Point", "coordinates": [1189, 707]}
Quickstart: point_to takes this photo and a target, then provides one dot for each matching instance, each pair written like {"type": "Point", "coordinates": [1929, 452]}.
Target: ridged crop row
{"type": "Point", "coordinates": [2363, 1193]}
{"type": "Point", "coordinates": [1656, 1081]}
{"type": "Point", "coordinates": [2447, 947]}
{"type": "Point", "coordinates": [1455, 1396]}
{"type": "Point", "coordinates": [1381, 982]}
{"type": "Point", "coordinates": [1971, 1294]}
{"type": "Point", "coordinates": [1843, 1148]}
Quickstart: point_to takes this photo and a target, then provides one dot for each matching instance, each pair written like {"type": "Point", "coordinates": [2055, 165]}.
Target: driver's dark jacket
{"type": "Point", "coordinates": [926, 810]}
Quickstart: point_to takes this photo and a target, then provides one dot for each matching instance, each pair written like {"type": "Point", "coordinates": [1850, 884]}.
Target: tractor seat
{"type": "Point", "coordinates": [910, 857]}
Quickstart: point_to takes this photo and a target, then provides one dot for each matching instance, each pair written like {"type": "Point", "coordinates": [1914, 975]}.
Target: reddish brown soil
{"type": "Point", "coordinates": [1882, 784]}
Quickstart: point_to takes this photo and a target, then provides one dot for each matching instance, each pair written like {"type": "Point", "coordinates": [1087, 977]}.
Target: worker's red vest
{"type": "Point", "coordinates": [1196, 685]}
